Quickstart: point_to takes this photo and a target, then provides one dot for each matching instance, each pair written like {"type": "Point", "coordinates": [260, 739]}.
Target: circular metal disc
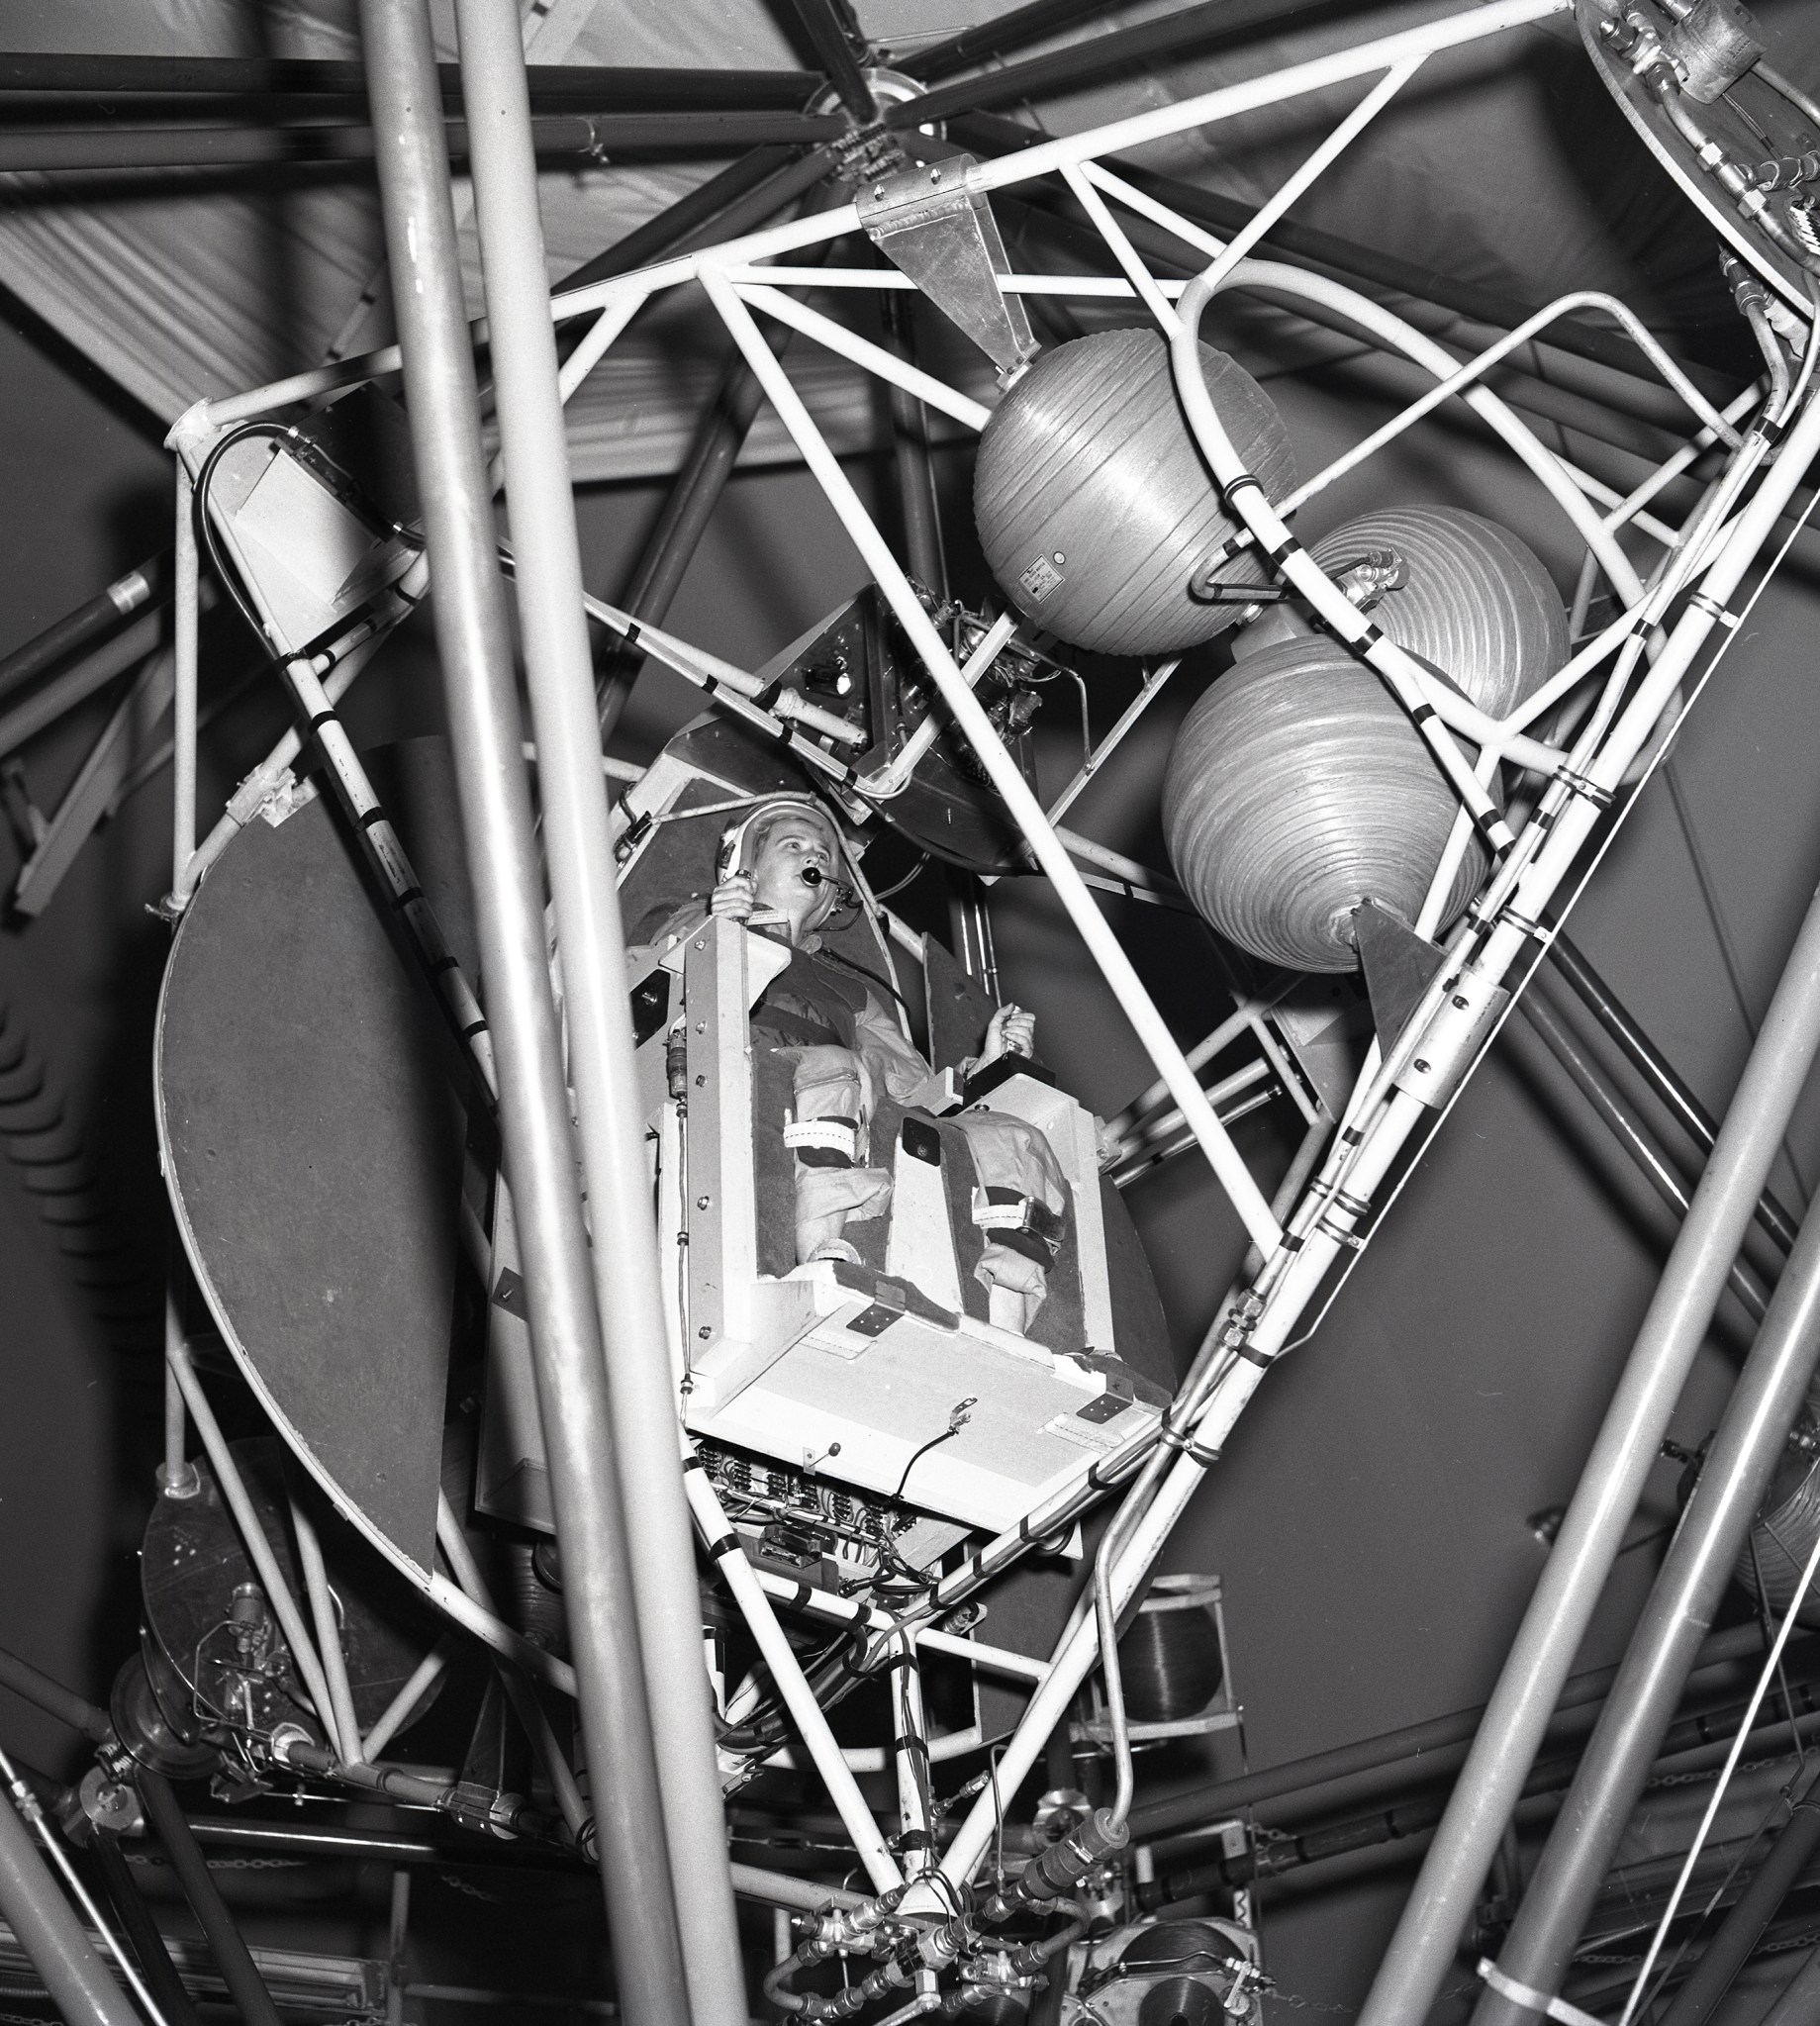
{"type": "Point", "coordinates": [1751, 122]}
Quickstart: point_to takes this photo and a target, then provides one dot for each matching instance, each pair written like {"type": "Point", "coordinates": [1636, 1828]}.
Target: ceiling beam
{"type": "Point", "coordinates": [999, 38]}
{"type": "Point", "coordinates": [565, 86]}
{"type": "Point", "coordinates": [598, 137]}
{"type": "Point", "coordinates": [1212, 24]}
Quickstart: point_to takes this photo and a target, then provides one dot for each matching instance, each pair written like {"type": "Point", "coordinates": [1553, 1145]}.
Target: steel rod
{"type": "Point", "coordinates": [584, 888]}
{"type": "Point", "coordinates": [188, 592]}
{"type": "Point", "coordinates": [779, 1889]}
{"type": "Point", "coordinates": [142, 1931]}
{"type": "Point", "coordinates": [585, 86]}
{"type": "Point", "coordinates": [487, 737]}
{"type": "Point", "coordinates": [252, 1533]}
{"type": "Point", "coordinates": [826, 31]}
{"type": "Point", "coordinates": [1738, 1933]}
{"type": "Point", "coordinates": [48, 1929]}
{"type": "Point", "coordinates": [499, 1637]}
{"type": "Point", "coordinates": [397, 1714]}
{"type": "Point", "coordinates": [338, 1719]}
{"type": "Point", "coordinates": [519, 1692]}
{"type": "Point", "coordinates": [1592, 1531]}
{"type": "Point", "coordinates": [787, 1674]}
{"type": "Point", "coordinates": [1212, 23]}
{"type": "Point", "coordinates": [996, 38]}
{"type": "Point", "coordinates": [177, 1475]}
{"type": "Point", "coordinates": [1412, 1742]}
{"type": "Point", "coordinates": [149, 584]}
{"type": "Point", "coordinates": [675, 223]}
{"type": "Point", "coordinates": [579, 137]}
{"type": "Point", "coordinates": [1624, 1127]}
{"type": "Point", "coordinates": [1686, 1109]}
{"type": "Point", "coordinates": [25, 1682]}
{"type": "Point", "coordinates": [245, 1986]}
{"type": "Point", "coordinates": [91, 672]}
{"type": "Point", "coordinates": [1749, 1444]}
{"type": "Point", "coordinates": [919, 504]}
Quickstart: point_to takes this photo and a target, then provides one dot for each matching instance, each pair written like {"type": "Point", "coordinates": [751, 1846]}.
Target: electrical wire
{"type": "Point", "coordinates": [908, 879]}
{"type": "Point", "coordinates": [959, 1415]}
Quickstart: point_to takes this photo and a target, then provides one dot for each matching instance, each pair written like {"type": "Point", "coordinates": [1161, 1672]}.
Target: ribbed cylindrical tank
{"type": "Point", "coordinates": [1297, 785]}
{"type": "Point", "coordinates": [1094, 506]}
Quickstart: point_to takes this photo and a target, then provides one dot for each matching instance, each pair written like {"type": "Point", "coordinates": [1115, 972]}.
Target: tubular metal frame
{"type": "Point", "coordinates": [1644, 670]}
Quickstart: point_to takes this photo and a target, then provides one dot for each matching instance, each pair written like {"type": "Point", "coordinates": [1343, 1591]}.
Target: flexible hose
{"type": "Point", "coordinates": [1411, 686]}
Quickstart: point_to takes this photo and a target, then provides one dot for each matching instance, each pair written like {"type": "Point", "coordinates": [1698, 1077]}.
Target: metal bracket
{"type": "Point", "coordinates": [1398, 966]}
{"type": "Point", "coordinates": [931, 225]}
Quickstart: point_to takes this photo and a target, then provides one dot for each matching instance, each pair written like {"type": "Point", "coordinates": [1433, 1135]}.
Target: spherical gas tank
{"type": "Point", "coordinates": [1474, 601]}
{"type": "Point", "coordinates": [1298, 786]}
{"type": "Point", "coordinates": [1297, 789]}
{"type": "Point", "coordinates": [1469, 599]}
{"type": "Point", "coordinates": [1094, 506]}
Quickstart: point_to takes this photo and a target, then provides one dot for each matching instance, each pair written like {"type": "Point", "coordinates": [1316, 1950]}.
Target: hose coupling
{"type": "Point", "coordinates": [1054, 1874]}
{"type": "Point", "coordinates": [1747, 291]}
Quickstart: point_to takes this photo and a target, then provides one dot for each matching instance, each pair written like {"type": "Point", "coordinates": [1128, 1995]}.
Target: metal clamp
{"type": "Point", "coordinates": [1451, 1041]}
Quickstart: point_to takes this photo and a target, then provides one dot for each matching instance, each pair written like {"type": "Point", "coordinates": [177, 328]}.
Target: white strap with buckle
{"type": "Point", "coordinates": [1534, 2001]}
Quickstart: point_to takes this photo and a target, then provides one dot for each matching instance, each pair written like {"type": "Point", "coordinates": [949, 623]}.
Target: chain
{"type": "Point", "coordinates": [1296, 2002]}
{"type": "Point", "coordinates": [1801, 1941]}
{"type": "Point", "coordinates": [458, 1885]}
{"type": "Point", "coordinates": [1693, 1779]}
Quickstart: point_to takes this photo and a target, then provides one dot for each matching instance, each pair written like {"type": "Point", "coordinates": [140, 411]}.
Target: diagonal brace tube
{"type": "Point", "coordinates": [1026, 812]}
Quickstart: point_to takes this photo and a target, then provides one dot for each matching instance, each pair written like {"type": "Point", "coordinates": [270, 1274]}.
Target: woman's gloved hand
{"type": "Point", "coordinates": [734, 898]}
{"type": "Point", "coordinates": [1013, 1033]}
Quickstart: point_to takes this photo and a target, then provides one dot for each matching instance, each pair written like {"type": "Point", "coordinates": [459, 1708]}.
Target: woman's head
{"type": "Point", "coordinates": [792, 852]}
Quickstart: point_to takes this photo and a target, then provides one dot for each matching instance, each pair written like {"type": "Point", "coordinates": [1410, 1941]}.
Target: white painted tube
{"type": "Point", "coordinates": [345, 1728]}
{"type": "Point", "coordinates": [780, 1657]}
{"type": "Point", "coordinates": [252, 1535]}
{"type": "Point", "coordinates": [1025, 810]}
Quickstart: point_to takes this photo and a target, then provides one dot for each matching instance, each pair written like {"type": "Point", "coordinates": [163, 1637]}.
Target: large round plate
{"type": "Point", "coordinates": [312, 1138]}
{"type": "Point", "coordinates": [1749, 122]}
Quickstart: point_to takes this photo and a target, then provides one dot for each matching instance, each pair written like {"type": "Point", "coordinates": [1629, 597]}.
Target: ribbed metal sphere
{"type": "Point", "coordinates": [1297, 789]}
{"type": "Point", "coordinates": [1093, 504]}
{"type": "Point", "coordinates": [1476, 603]}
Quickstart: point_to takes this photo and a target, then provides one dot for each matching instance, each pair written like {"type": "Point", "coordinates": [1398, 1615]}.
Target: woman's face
{"type": "Point", "coordinates": [796, 845]}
